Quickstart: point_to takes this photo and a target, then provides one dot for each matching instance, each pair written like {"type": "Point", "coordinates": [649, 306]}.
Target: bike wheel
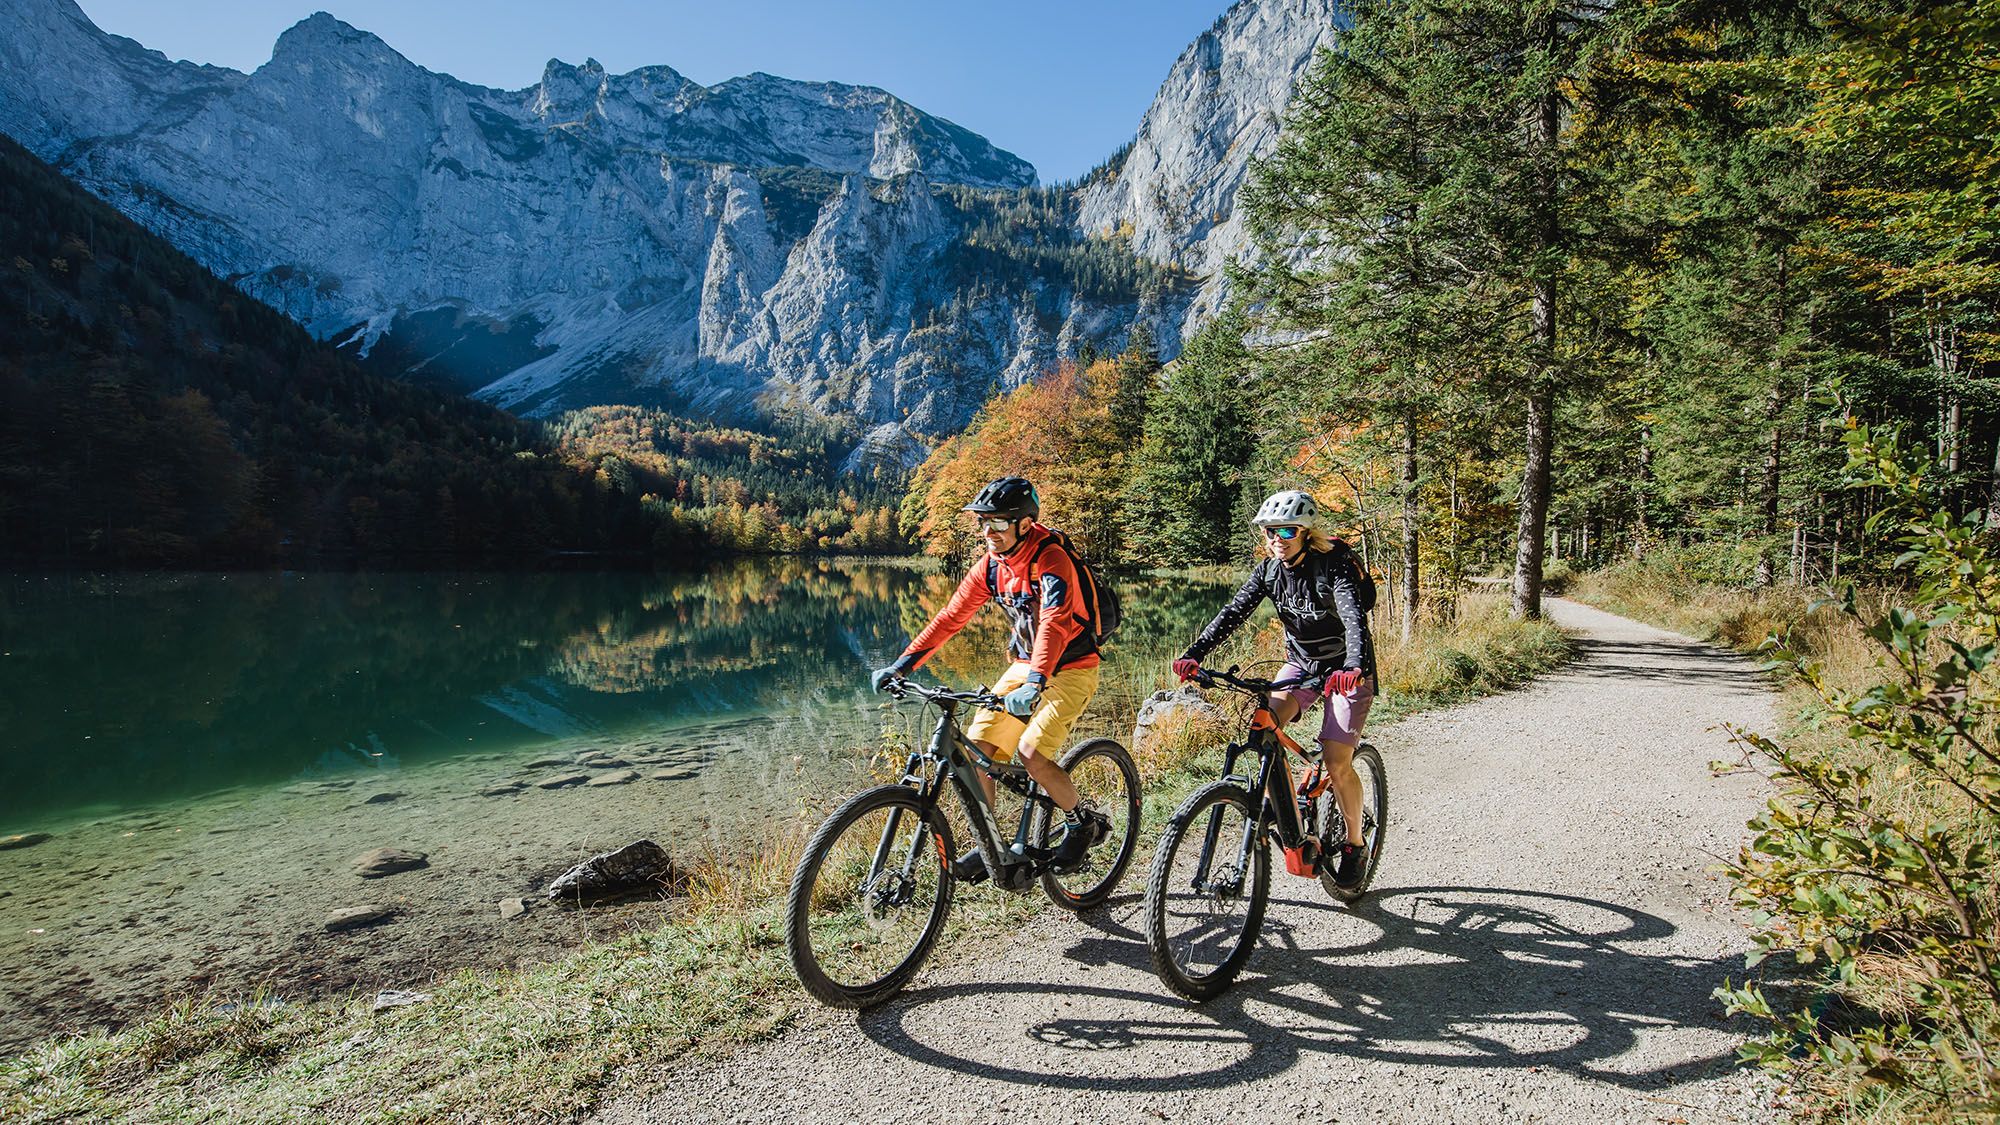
{"type": "Point", "coordinates": [1205, 900]}
{"type": "Point", "coordinates": [1106, 777]}
{"type": "Point", "coordinates": [869, 897]}
{"type": "Point", "coordinates": [1374, 822]}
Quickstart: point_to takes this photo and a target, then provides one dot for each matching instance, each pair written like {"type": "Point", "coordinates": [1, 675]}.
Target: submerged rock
{"type": "Point", "coordinates": [355, 917]}
{"type": "Point", "coordinates": [388, 861]}
{"type": "Point", "coordinates": [636, 867]}
{"type": "Point", "coordinates": [503, 789]}
{"type": "Point", "coordinates": [23, 840]}
{"type": "Point", "coordinates": [563, 780]}
{"type": "Point", "coordinates": [384, 798]}
{"type": "Point", "coordinates": [672, 775]}
{"type": "Point", "coordinates": [546, 763]}
{"type": "Point", "coordinates": [620, 778]}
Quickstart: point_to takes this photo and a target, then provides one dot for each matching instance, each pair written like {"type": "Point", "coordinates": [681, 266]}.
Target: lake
{"type": "Point", "coordinates": [209, 753]}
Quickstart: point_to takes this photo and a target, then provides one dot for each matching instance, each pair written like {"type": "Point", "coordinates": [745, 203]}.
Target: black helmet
{"type": "Point", "coordinates": [1012, 497]}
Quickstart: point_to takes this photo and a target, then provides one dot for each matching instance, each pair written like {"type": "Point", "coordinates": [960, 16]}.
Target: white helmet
{"type": "Point", "coordinates": [1290, 508]}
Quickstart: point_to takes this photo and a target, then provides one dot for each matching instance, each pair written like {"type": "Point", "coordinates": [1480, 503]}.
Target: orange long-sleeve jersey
{"type": "Point", "coordinates": [1039, 589]}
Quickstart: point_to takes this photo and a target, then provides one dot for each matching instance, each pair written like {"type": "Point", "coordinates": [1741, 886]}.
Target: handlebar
{"type": "Point", "coordinates": [1209, 677]}
{"type": "Point", "coordinates": [898, 688]}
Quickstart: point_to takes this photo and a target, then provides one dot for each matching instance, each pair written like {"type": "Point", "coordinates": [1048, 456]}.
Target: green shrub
{"type": "Point", "coordinates": [1878, 860]}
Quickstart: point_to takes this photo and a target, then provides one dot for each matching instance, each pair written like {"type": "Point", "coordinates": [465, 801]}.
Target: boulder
{"type": "Point", "coordinates": [619, 778]}
{"type": "Point", "coordinates": [563, 780]}
{"type": "Point", "coordinates": [22, 840]}
{"type": "Point", "coordinates": [388, 861]}
{"type": "Point", "coordinates": [637, 867]}
{"type": "Point", "coordinates": [1171, 723]}
{"type": "Point", "coordinates": [355, 917]}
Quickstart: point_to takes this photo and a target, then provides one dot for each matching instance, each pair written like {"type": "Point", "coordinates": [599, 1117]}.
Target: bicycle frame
{"type": "Point", "coordinates": [1013, 865]}
{"type": "Point", "coordinates": [1279, 815]}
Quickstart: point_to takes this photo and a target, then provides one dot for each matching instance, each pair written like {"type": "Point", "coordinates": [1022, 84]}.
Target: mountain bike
{"type": "Point", "coordinates": [873, 889]}
{"type": "Point", "coordinates": [1212, 872]}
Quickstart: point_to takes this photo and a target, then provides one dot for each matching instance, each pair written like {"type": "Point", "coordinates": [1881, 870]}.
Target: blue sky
{"type": "Point", "coordinates": [1058, 84]}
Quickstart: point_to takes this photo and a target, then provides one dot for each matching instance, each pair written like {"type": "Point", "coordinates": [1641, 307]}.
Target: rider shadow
{"type": "Point", "coordinates": [1433, 976]}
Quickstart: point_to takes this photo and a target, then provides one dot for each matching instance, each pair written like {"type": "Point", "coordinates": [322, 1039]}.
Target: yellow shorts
{"type": "Point", "coordinates": [1063, 699]}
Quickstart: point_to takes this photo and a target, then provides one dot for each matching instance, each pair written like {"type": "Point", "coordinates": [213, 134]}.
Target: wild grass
{"type": "Point", "coordinates": [552, 1041]}
{"type": "Point", "coordinates": [1873, 1045]}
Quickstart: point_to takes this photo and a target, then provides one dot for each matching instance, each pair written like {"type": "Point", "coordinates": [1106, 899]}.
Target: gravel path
{"type": "Point", "coordinates": [1540, 944]}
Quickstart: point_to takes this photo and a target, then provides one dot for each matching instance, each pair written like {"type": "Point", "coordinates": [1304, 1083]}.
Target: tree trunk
{"type": "Point", "coordinates": [1541, 424]}
{"type": "Point", "coordinates": [1410, 586]}
{"type": "Point", "coordinates": [1639, 492]}
{"type": "Point", "coordinates": [1767, 499]}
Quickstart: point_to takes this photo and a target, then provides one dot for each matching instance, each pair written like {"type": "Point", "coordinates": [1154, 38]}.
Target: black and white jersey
{"type": "Point", "coordinates": [1325, 630]}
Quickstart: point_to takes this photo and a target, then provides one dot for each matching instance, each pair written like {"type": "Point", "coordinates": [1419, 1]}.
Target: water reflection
{"type": "Point", "coordinates": [127, 690]}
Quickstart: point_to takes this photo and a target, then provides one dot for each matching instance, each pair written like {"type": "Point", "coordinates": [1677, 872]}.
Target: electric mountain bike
{"type": "Point", "coordinates": [873, 889]}
{"type": "Point", "coordinates": [1212, 872]}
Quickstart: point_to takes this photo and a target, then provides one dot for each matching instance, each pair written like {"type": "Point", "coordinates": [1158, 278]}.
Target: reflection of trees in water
{"type": "Point", "coordinates": [777, 620]}
{"type": "Point", "coordinates": [137, 689]}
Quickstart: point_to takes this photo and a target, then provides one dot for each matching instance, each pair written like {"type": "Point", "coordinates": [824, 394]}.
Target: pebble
{"type": "Point", "coordinates": [354, 917]}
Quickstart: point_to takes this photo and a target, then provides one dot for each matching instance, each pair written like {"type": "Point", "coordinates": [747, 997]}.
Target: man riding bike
{"type": "Point", "coordinates": [1314, 580]}
{"type": "Point", "coordinates": [1054, 647]}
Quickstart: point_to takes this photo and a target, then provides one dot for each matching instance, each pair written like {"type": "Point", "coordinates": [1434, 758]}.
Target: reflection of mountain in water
{"type": "Point", "coordinates": [132, 690]}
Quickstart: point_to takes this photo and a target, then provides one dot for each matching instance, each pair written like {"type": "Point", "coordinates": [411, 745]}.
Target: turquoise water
{"type": "Point", "coordinates": [127, 691]}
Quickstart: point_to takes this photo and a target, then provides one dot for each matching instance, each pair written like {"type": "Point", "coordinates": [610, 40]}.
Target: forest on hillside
{"type": "Point", "coordinates": [1545, 284]}
{"type": "Point", "coordinates": [152, 415]}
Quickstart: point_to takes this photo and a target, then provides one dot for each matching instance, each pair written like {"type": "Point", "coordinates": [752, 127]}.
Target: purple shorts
{"type": "Point", "coordinates": [1345, 711]}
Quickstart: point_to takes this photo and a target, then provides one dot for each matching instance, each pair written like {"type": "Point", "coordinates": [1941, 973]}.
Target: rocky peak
{"type": "Point", "coordinates": [1221, 106]}
{"type": "Point", "coordinates": [568, 94]}
{"type": "Point", "coordinates": [321, 37]}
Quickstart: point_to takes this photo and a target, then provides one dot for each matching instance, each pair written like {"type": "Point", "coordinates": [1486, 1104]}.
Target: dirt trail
{"type": "Point", "coordinates": [1540, 944]}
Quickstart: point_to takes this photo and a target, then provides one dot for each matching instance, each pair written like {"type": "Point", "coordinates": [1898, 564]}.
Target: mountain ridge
{"type": "Point", "coordinates": [640, 237]}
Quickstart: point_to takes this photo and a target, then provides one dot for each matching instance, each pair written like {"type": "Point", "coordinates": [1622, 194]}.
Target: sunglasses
{"type": "Point", "coordinates": [992, 523]}
{"type": "Point", "coordinates": [1286, 533]}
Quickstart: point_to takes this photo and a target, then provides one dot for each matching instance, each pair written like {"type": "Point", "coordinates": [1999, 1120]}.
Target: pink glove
{"type": "Point", "coordinates": [1185, 668]}
{"type": "Point", "coordinates": [1344, 682]}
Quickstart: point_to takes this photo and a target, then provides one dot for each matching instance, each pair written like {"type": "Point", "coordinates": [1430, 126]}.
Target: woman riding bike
{"type": "Point", "coordinates": [1315, 582]}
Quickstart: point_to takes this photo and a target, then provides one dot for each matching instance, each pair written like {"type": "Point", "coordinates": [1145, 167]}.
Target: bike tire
{"type": "Point", "coordinates": [1374, 823]}
{"type": "Point", "coordinates": [815, 936]}
{"type": "Point", "coordinates": [1088, 887]}
{"type": "Point", "coordinates": [1173, 953]}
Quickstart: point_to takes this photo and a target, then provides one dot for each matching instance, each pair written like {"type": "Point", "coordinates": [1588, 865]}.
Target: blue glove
{"type": "Point", "coordinates": [880, 680]}
{"type": "Point", "coordinates": [1021, 701]}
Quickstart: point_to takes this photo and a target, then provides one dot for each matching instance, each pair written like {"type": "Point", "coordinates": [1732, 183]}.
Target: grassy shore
{"type": "Point", "coordinates": [549, 1042]}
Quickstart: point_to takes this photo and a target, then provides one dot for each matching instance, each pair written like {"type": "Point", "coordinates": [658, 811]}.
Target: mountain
{"type": "Point", "coordinates": [152, 414]}
{"type": "Point", "coordinates": [727, 251]}
{"type": "Point", "coordinates": [1173, 191]}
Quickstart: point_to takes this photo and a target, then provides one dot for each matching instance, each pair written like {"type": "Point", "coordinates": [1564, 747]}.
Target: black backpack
{"type": "Point", "coordinates": [1100, 601]}
{"type": "Point", "coordinates": [1364, 582]}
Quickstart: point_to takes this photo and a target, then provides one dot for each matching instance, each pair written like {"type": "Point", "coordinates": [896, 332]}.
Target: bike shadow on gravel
{"type": "Point", "coordinates": [1473, 977]}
